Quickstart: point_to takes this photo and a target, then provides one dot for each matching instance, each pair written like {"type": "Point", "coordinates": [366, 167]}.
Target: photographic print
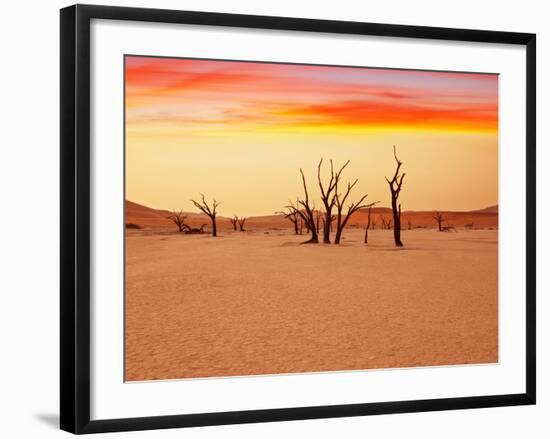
{"type": "Point", "coordinates": [293, 218]}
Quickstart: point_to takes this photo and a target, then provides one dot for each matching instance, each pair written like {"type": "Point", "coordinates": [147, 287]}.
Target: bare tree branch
{"type": "Point", "coordinates": [208, 210]}
{"type": "Point", "coordinates": [234, 221]}
{"type": "Point", "coordinates": [241, 222]}
{"type": "Point", "coordinates": [293, 217]}
{"type": "Point", "coordinates": [178, 218]}
{"type": "Point", "coordinates": [328, 196]}
{"type": "Point", "coordinates": [340, 201]}
{"type": "Point", "coordinates": [305, 210]}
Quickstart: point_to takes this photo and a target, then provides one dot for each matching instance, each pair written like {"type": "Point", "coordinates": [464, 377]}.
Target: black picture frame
{"type": "Point", "coordinates": [75, 218]}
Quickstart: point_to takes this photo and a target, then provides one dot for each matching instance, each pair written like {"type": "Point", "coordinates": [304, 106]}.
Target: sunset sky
{"type": "Point", "coordinates": [240, 131]}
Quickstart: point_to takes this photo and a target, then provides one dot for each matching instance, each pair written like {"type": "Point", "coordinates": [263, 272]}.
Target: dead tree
{"type": "Point", "coordinates": [340, 200]}
{"type": "Point", "coordinates": [385, 223]}
{"type": "Point", "coordinates": [395, 185]}
{"type": "Point", "coordinates": [305, 210]}
{"type": "Point", "coordinates": [440, 220]}
{"type": "Point", "coordinates": [373, 224]}
{"type": "Point", "coordinates": [368, 226]}
{"type": "Point", "coordinates": [328, 197]}
{"type": "Point", "coordinates": [293, 216]}
{"type": "Point", "coordinates": [209, 211]}
{"type": "Point", "coordinates": [241, 222]}
{"type": "Point", "coordinates": [409, 224]}
{"type": "Point", "coordinates": [194, 231]}
{"type": "Point", "coordinates": [178, 218]}
{"type": "Point", "coordinates": [234, 221]}
{"type": "Point", "coordinates": [304, 220]}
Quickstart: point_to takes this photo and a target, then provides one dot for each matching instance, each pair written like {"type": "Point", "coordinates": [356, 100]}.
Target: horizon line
{"type": "Point", "coordinates": [374, 207]}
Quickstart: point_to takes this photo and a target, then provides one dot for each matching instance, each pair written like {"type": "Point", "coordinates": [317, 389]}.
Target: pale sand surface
{"type": "Point", "coordinates": [255, 303]}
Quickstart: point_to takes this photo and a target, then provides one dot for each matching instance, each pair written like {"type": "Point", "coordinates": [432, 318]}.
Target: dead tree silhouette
{"type": "Point", "coordinates": [306, 212]}
{"type": "Point", "coordinates": [194, 231]}
{"type": "Point", "coordinates": [304, 220]}
{"type": "Point", "coordinates": [440, 220]}
{"type": "Point", "coordinates": [328, 197]}
{"type": "Point", "coordinates": [241, 222]}
{"type": "Point", "coordinates": [208, 211]}
{"type": "Point", "coordinates": [293, 216]}
{"type": "Point", "coordinates": [385, 223]}
{"type": "Point", "coordinates": [340, 200]}
{"type": "Point", "coordinates": [373, 224]}
{"type": "Point", "coordinates": [409, 224]}
{"type": "Point", "coordinates": [234, 221]}
{"type": "Point", "coordinates": [368, 226]}
{"type": "Point", "coordinates": [178, 218]}
{"type": "Point", "coordinates": [395, 185]}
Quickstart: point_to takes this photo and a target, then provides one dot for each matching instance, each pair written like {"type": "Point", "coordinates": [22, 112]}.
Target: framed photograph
{"type": "Point", "coordinates": [268, 219]}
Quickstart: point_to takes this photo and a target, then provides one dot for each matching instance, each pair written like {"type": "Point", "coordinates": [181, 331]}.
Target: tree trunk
{"type": "Point", "coordinates": [396, 222]}
{"type": "Point", "coordinates": [214, 229]}
{"type": "Point", "coordinates": [339, 228]}
{"type": "Point", "coordinates": [327, 226]}
{"type": "Point", "coordinates": [314, 236]}
{"type": "Point", "coordinates": [368, 226]}
{"type": "Point", "coordinates": [312, 228]}
{"type": "Point", "coordinates": [338, 236]}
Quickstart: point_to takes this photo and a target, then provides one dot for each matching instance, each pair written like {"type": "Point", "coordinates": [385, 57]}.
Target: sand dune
{"type": "Point", "coordinates": [490, 209]}
{"type": "Point", "coordinates": [148, 218]}
{"type": "Point", "coordinates": [145, 217]}
{"type": "Point", "coordinates": [425, 219]}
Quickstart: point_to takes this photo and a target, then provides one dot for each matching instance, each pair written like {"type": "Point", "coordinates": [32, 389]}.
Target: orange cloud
{"type": "Point", "coordinates": [202, 92]}
{"type": "Point", "coordinates": [396, 113]}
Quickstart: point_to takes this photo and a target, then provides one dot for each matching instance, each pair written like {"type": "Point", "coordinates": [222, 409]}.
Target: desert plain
{"type": "Point", "coordinates": [261, 302]}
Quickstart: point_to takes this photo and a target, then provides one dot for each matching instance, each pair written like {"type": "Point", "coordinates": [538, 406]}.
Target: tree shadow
{"type": "Point", "coordinates": [288, 244]}
{"type": "Point", "coordinates": [374, 248]}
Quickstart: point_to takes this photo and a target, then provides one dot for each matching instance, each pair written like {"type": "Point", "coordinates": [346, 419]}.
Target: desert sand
{"type": "Point", "coordinates": [260, 302]}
